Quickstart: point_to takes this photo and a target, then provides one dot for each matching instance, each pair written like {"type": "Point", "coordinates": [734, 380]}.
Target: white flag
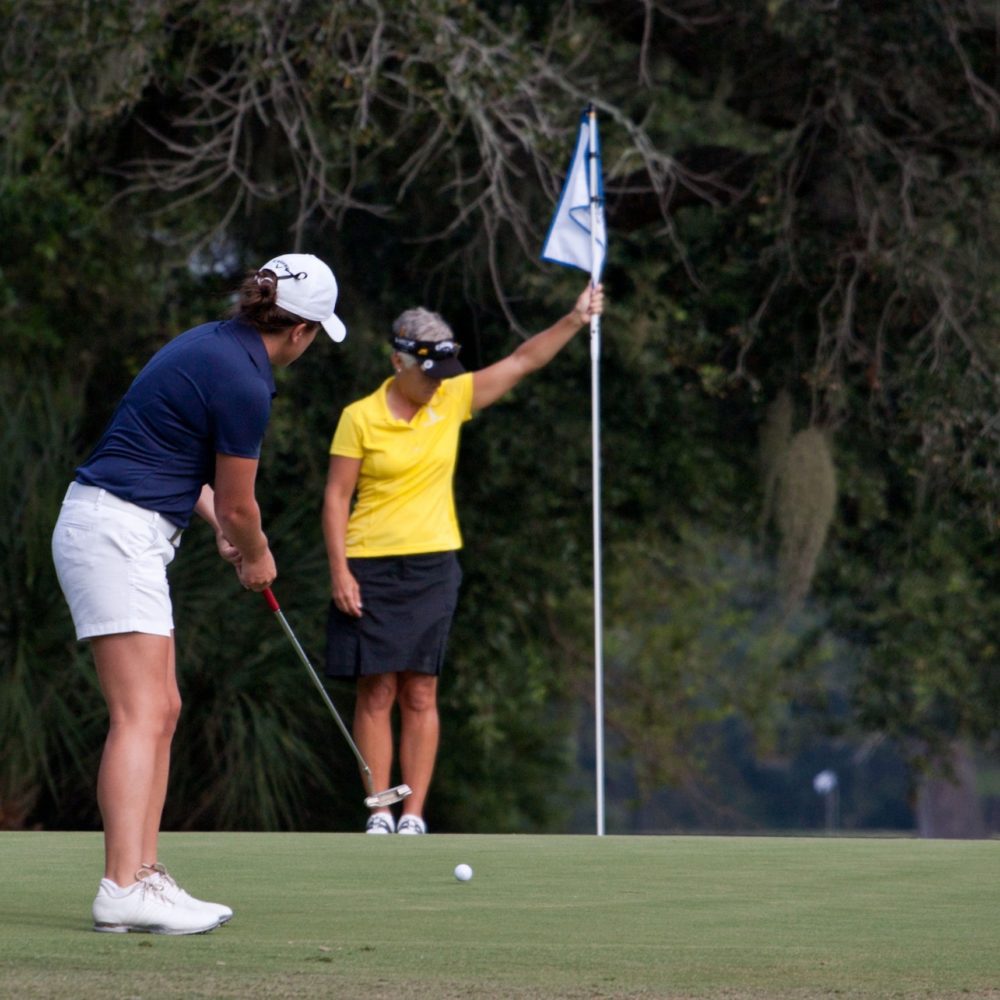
{"type": "Point", "coordinates": [569, 240]}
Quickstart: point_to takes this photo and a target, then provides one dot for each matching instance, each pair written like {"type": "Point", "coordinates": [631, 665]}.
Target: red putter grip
{"type": "Point", "coordinates": [272, 601]}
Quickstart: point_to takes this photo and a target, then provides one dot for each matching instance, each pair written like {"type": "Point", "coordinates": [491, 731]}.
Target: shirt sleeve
{"type": "Point", "coordinates": [240, 412]}
{"type": "Point", "coordinates": [463, 387]}
{"type": "Point", "coordinates": [348, 439]}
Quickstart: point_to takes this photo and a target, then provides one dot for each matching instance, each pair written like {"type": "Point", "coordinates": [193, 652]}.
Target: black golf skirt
{"type": "Point", "coordinates": [408, 605]}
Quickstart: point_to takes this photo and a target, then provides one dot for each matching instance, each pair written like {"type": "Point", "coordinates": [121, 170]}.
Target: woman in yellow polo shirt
{"type": "Point", "coordinates": [393, 565]}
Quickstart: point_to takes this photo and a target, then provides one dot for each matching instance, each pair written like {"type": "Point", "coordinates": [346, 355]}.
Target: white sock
{"type": "Point", "coordinates": [116, 890]}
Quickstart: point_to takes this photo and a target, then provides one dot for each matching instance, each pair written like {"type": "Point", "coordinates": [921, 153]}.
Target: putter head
{"type": "Point", "coordinates": [388, 797]}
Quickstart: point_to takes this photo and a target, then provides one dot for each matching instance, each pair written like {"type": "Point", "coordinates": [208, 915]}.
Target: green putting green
{"type": "Point", "coordinates": [345, 915]}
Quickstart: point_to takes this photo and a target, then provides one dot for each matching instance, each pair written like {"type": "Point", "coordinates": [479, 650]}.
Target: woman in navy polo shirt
{"type": "Point", "coordinates": [184, 439]}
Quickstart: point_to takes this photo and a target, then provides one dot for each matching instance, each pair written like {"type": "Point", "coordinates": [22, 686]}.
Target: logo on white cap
{"type": "Point", "coordinates": [307, 288]}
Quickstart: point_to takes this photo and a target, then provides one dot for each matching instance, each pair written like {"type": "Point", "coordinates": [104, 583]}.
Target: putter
{"type": "Point", "coordinates": [374, 799]}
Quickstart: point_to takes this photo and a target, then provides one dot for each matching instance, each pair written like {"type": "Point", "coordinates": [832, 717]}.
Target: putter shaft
{"type": "Point", "coordinates": [374, 798]}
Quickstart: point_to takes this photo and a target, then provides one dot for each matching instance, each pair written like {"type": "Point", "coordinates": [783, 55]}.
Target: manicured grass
{"type": "Point", "coordinates": [349, 916]}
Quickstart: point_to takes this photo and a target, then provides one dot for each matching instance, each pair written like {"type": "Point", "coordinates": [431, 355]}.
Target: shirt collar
{"type": "Point", "coordinates": [420, 416]}
{"type": "Point", "coordinates": [252, 342]}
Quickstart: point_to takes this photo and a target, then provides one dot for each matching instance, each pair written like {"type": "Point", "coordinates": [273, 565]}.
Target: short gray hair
{"type": "Point", "coordinates": [421, 324]}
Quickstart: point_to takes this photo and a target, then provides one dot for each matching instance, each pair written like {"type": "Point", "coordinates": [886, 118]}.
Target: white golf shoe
{"type": "Point", "coordinates": [380, 823]}
{"type": "Point", "coordinates": [410, 824]}
{"type": "Point", "coordinates": [147, 907]}
{"type": "Point", "coordinates": [179, 895]}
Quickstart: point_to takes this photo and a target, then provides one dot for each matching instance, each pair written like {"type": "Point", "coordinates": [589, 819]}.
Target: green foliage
{"type": "Point", "coordinates": [71, 72]}
{"type": "Point", "coordinates": [696, 637]}
{"type": "Point", "coordinates": [774, 436]}
{"type": "Point", "coordinates": [50, 709]}
{"type": "Point", "coordinates": [929, 678]}
{"type": "Point", "coordinates": [802, 199]}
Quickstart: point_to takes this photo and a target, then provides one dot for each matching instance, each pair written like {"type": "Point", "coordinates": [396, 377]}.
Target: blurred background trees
{"type": "Point", "coordinates": [800, 388]}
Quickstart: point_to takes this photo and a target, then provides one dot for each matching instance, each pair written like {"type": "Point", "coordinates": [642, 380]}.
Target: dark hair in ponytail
{"type": "Point", "coordinates": [257, 304]}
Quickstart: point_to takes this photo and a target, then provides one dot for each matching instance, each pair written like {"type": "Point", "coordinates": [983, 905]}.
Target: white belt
{"type": "Point", "coordinates": [101, 497]}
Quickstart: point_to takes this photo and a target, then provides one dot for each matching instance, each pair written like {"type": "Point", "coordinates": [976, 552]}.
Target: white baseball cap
{"type": "Point", "coordinates": [307, 288]}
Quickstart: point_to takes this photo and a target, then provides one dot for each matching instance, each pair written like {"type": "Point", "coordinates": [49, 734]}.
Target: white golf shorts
{"type": "Point", "coordinates": [111, 558]}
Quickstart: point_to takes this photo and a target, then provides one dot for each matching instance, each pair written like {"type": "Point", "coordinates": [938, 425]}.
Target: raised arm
{"type": "Point", "coordinates": [341, 480]}
{"type": "Point", "coordinates": [491, 383]}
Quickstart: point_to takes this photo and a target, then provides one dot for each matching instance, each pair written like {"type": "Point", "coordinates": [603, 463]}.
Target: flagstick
{"type": "Point", "coordinates": [595, 407]}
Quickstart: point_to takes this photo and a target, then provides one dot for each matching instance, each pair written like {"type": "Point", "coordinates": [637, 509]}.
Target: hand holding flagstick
{"type": "Point", "coordinates": [589, 304]}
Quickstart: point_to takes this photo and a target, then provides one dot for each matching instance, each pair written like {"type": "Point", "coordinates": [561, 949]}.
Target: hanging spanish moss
{"type": "Point", "coordinates": [805, 500]}
{"type": "Point", "coordinates": [775, 433]}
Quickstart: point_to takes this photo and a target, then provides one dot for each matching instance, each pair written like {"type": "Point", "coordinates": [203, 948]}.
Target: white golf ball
{"type": "Point", "coordinates": [463, 873]}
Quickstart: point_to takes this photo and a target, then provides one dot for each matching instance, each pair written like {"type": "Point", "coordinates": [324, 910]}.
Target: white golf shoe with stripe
{"type": "Point", "coordinates": [380, 823]}
{"type": "Point", "coordinates": [410, 824]}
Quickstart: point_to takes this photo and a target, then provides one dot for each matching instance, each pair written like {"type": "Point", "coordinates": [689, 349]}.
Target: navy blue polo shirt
{"type": "Point", "coordinates": [209, 390]}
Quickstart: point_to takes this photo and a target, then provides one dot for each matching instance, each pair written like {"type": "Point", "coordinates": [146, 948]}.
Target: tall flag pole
{"type": "Point", "coordinates": [577, 237]}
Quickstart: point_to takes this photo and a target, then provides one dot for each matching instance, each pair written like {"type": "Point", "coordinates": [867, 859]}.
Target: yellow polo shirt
{"type": "Point", "coordinates": [404, 503]}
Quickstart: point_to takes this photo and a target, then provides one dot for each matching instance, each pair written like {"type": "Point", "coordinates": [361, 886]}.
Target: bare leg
{"type": "Point", "coordinates": [161, 776]}
{"type": "Point", "coordinates": [373, 725]}
{"type": "Point", "coordinates": [135, 671]}
{"type": "Point", "coordinates": [419, 732]}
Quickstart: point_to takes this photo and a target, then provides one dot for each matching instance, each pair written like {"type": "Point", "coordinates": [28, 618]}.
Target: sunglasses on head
{"type": "Point", "coordinates": [431, 350]}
